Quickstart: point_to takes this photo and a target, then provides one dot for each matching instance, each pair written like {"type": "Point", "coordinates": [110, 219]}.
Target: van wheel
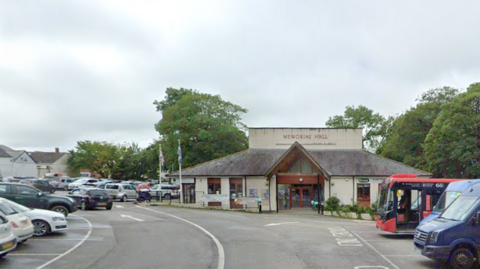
{"type": "Point", "coordinates": [167, 196]}
{"type": "Point", "coordinates": [461, 258]}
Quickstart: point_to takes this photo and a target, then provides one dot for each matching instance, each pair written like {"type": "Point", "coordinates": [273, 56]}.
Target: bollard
{"type": "Point", "coordinates": [259, 206]}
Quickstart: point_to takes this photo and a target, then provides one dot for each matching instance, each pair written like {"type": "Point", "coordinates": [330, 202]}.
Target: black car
{"type": "Point", "coordinates": [35, 198]}
{"type": "Point", "coordinates": [91, 198]}
{"type": "Point", "coordinates": [40, 184]}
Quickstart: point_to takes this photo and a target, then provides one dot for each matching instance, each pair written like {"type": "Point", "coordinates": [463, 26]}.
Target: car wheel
{"type": "Point", "coordinates": [109, 207]}
{"type": "Point", "coordinates": [3, 255]}
{"type": "Point", "coordinates": [60, 209]}
{"type": "Point", "coordinates": [124, 198]}
{"type": "Point", "coordinates": [52, 190]}
{"type": "Point", "coordinates": [65, 188]}
{"type": "Point", "coordinates": [461, 258]}
{"type": "Point", "coordinates": [40, 227]}
{"type": "Point", "coordinates": [167, 196]}
{"type": "Point", "coordinates": [83, 206]}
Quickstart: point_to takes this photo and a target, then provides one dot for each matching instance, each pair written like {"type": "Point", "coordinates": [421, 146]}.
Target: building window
{"type": "Point", "coordinates": [214, 186]}
{"type": "Point", "coordinates": [363, 191]}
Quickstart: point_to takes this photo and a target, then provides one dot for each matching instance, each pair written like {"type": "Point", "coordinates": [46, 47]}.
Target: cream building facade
{"type": "Point", "coordinates": [287, 168]}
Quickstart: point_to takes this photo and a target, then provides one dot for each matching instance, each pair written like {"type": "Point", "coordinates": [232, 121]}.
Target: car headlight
{"type": "Point", "coordinates": [434, 237]}
{"type": "Point", "coordinates": [58, 219]}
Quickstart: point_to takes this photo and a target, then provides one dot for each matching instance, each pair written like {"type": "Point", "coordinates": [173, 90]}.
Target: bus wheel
{"type": "Point", "coordinates": [461, 258]}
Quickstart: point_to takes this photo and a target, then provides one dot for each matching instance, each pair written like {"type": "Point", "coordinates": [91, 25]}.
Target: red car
{"type": "Point", "coordinates": [144, 186]}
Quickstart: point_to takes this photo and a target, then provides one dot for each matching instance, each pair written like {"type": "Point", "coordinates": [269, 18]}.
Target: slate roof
{"type": "Point", "coordinates": [3, 153]}
{"type": "Point", "coordinates": [46, 157]}
{"type": "Point", "coordinates": [15, 153]}
{"type": "Point", "coordinates": [257, 162]}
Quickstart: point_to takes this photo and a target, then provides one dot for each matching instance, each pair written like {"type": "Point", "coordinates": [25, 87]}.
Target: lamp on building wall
{"type": "Point", "coordinates": [301, 180]}
{"type": "Point", "coordinates": [333, 184]}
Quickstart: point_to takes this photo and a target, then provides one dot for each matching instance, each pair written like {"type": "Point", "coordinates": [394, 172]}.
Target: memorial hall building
{"type": "Point", "coordinates": [287, 168]}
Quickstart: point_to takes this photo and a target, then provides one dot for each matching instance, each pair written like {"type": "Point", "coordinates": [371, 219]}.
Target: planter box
{"type": "Point", "coordinates": [366, 216]}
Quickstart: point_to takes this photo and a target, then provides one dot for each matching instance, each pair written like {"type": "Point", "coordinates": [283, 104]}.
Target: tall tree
{"type": "Point", "coordinates": [98, 157]}
{"type": "Point", "coordinates": [452, 147]}
{"type": "Point", "coordinates": [404, 141]}
{"type": "Point", "coordinates": [208, 127]}
{"type": "Point", "coordinates": [373, 124]}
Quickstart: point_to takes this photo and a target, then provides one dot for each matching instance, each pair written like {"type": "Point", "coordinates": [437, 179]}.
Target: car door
{"type": "Point", "coordinates": [130, 191]}
{"type": "Point", "coordinates": [112, 190]}
{"type": "Point", "coordinates": [29, 197]}
{"type": "Point", "coordinates": [7, 192]}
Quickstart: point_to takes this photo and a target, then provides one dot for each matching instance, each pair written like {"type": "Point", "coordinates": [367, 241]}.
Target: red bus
{"type": "Point", "coordinates": [404, 200]}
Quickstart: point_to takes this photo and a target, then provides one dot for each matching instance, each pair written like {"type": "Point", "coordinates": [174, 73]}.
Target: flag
{"type": "Point", "coordinates": [162, 160]}
{"type": "Point", "coordinates": [179, 152]}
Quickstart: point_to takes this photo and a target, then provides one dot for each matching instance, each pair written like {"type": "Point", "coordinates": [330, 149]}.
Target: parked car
{"type": "Point", "coordinates": [8, 240]}
{"type": "Point", "coordinates": [22, 226]}
{"type": "Point", "coordinates": [41, 184]}
{"type": "Point", "coordinates": [61, 183]}
{"type": "Point", "coordinates": [143, 186]}
{"type": "Point", "coordinates": [121, 191]}
{"type": "Point", "coordinates": [34, 198]}
{"type": "Point", "coordinates": [82, 181]}
{"type": "Point", "coordinates": [168, 191]}
{"type": "Point", "coordinates": [91, 198]}
{"type": "Point", "coordinates": [44, 221]}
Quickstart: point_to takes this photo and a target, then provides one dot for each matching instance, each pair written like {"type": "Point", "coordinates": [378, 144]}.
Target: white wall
{"type": "Point", "coordinates": [6, 167]}
{"type": "Point", "coordinates": [310, 138]}
{"type": "Point", "coordinates": [342, 188]}
{"type": "Point", "coordinates": [24, 166]}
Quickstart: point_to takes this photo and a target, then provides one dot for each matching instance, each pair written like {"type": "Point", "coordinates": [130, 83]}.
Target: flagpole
{"type": "Point", "coordinates": [160, 155]}
{"type": "Point", "coordinates": [180, 171]}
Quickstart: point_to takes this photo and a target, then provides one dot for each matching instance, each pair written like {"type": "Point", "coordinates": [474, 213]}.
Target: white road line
{"type": "Point", "coordinates": [374, 249]}
{"type": "Point", "coordinates": [71, 249]}
{"type": "Point", "coordinates": [221, 252]}
{"type": "Point", "coordinates": [281, 223]}
{"type": "Point", "coordinates": [130, 217]}
{"type": "Point", "coordinates": [34, 254]}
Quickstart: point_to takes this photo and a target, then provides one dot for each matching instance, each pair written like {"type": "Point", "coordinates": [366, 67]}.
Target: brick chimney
{"type": "Point", "coordinates": [57, 150]}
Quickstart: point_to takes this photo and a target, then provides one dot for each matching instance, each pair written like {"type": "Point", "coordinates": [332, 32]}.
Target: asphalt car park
{"type": "Point", "coordinates": [101, 238]}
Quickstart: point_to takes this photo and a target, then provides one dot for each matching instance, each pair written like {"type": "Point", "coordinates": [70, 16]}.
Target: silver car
{"type": "Point", "coordinates": [121, 191]}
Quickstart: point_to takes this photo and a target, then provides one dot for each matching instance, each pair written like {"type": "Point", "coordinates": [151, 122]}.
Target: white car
{"type": "Point", "coordinates": [8, 240]}
{"type": "Point", "coordinates": [22, 226]}
{"type": "Point", "coordinates": [77, 183]}
{"type": "Point", "coordinates": [44, 221]}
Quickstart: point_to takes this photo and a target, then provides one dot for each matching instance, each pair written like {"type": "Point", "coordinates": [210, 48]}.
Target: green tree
{"type": "Point", "coordinates": [373, 124]}
{"type": "Point", "coordinates": [452, 147]}
{"type": "Point", "coordinates": [208, 127]}
{"type": "Point", "coordinates": [98, 157]}
{"type": "Point", "coordinates": [404, 141]}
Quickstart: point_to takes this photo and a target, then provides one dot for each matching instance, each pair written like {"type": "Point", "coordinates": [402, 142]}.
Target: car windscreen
{"type": "Point", "coordinates": [19, 207]}
{"type": "Point", "coordinates": [97, 193]}
{"type": "Point", "coordinates": [461, 208]}
{"type": "Point", "coordinates": [7, 209]}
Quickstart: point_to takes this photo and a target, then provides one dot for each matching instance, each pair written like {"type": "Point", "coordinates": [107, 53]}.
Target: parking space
{"type": "Point", "coordinates": [39, 251]}
{"type": "Point", "coordinates": [396, 249]}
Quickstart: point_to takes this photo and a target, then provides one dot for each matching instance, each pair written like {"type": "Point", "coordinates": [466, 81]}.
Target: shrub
{"type": "Point", "coordinates": [333, 202]}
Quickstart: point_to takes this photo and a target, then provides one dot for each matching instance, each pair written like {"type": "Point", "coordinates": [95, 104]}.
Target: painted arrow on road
{"type": "Point", "coordinates": [280, 223]}
{"type": "Point", "coordinates": [130, 217]}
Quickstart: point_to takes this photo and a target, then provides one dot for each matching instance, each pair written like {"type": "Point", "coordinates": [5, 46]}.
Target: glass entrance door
{"type": "Point", "coordinates": [301, 197]}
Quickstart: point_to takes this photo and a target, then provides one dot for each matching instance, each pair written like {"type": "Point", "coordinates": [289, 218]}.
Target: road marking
{"type": "Point", "coordinates": [280, 223]}
{"type": "Point", "coordinates": [371, 267]}
{"type": "Point", "coordinates": [345, 238]}
{"type": "Point", "coordinates": [374, 249]}
{"type": "Point", "coordinates": [34, 254]}
{"type": "Point", "coordinates": [130, 217]}
{"type": "Point", "coordinates": [119, 206]}
{"type": "Point", "coordinates": [221, 252]}
{"type": "Point", "coordinates": [70, 250]}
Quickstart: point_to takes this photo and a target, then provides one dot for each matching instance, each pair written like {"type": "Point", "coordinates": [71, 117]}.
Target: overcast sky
{"type": "Point", "coordinates": [90, 70]}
